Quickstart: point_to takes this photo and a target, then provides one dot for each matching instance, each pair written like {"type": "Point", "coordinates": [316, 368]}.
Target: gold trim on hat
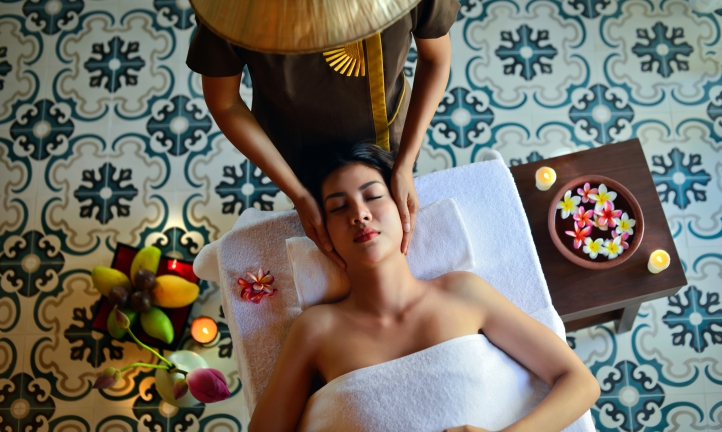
{"type": "Point", "coordinates": [298, 26]}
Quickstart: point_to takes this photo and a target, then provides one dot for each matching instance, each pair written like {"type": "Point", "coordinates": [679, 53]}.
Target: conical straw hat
{"type": "Point", "coordinates": [298, 26]}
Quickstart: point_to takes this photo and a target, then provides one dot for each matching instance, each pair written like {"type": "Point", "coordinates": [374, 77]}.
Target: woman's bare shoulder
{"type": "Point", "coordinates": [317, 320]}
{"type": "Point", "coordinates": [461, 282]}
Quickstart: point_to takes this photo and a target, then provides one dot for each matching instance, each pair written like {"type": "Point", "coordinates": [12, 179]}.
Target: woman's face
{"type": "Point", "coordinates": [361, 216]}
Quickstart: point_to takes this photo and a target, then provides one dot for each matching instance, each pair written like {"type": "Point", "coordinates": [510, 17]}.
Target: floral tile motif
{"type": "Point", "coordinates": [105, 138]}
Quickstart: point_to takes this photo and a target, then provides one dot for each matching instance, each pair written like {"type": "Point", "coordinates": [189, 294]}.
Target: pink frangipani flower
{"type": "Point", "coordinates": [624, 237]}
{"type": "Point", "coordinates": [584, 218]}
{"type": "Point", "coordinates": [598, 224]}
{"type": "Point", "coordinates": [262, 280]}
{"type": "Point", "coordinates": [259, 287]}
{"type": "Point", "coordinates": [568, 205]}
{"type": "Point", "coordinates": [207, 385]}
{"type": "Point", "coordinates": [585, 193]}
{"type": "Point", "coordinates": [607, 215]}
{"type": "Point", "coordinates": [602, 196]}
{"type": "Point", "coordinates": [579, 235]}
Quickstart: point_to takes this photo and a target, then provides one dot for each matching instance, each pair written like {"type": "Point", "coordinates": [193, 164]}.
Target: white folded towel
{"type": "Point", "coordinates": [463, 381]}
{"type": "Point", "coordinates": [440, 245]}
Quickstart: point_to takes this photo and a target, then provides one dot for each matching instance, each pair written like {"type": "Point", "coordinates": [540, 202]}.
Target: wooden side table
{"type": "Point", "coordinates": [585, 297]}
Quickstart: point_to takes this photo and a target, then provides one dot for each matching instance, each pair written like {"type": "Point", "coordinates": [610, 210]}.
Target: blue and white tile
{"type": "Point", "coordinates": [714, 411]}
{"type": "Point", "coordinates": [704, 274]}
{"type": "Point", "coordinates": [661, 37]}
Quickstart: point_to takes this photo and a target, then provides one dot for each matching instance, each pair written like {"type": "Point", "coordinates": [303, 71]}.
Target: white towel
{"type": "Point", "coordinates": [440, 245]}
{"type": "Point", "coordinates": [466, 380]}
{"type": "Point", "coordinates": [495, 220]}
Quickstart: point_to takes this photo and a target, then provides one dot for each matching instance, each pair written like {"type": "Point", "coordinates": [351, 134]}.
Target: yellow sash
{"type": "Point", "coordinates": [349, 61]}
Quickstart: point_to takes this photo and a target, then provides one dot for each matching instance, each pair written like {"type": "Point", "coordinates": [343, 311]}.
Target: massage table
{"type": "Point", "coordinates": [489, 208]}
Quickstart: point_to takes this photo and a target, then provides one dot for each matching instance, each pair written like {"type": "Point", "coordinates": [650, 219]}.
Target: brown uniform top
{"type": "Point", "coordinates": [303, 104]}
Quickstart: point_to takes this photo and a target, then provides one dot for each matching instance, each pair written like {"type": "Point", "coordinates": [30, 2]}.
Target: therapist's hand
{"type": "Point", "coordinates": [312, 221]}
{"type": "Point", "coordinates": [404, 192]}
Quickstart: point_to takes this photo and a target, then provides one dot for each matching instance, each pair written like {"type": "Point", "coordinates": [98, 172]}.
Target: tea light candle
{"type": "Point", "coordinates": [205, 331]}
{"type": "Point", "coordinates": [658, 261]}
{"type": "Point", "coordinates": [545, 178]}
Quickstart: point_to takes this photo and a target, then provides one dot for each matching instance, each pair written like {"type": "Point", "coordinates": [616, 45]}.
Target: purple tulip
{"type": "Point", "coordinates": [180, 388]}
{"type": "Point", "coordinates": [107, 378]}
{"type": "Point", "coordinates": [207, 385]}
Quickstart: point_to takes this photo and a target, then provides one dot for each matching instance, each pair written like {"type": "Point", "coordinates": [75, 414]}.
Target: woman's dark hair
{"type": "Point", "coordinates": [365, 153]}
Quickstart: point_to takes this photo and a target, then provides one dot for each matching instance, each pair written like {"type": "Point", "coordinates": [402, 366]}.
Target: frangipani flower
{"type": "Point", "coordinates": [259, 288]}
{"type": "Point", "coordinates": [613, 248]}
{"type": "Point", "coordinates": [262, 280]}
{"type": "Point", "coordinates": [107, 378]}
{"type": "Point", "coordinates": [207, 385]}
{"type": "Point", "coordinates": [579, 235]}
{"type": "Point", "coordinates": [624, 236]}
{"type": "Point", "coordinates": [568, 204]}
{"type": "Point", "coordinates": [602, 197]}
{"type": "Point", "coordinates": [593, 247]}
{"type": "Point", "coordinates": [584, 218]}
{"type": "Point", "coordinates": [625, 224]}
{"type": "Point", "coordinates": [586, 193]}
{"type": "Point", "coordinates": [598, 224]}
{"type": "Point", "coordinates": [607, 215]}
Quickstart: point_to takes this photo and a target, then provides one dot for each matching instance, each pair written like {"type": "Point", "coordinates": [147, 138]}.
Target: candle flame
{"type": "Point", "coordinates": [546, 175]}
{"type": "Point", "coordinates": [659, 259]}
{"type": "Point", "coordinates": [205, 330]}
{"type": "Point", "coordinates": [175, 262]}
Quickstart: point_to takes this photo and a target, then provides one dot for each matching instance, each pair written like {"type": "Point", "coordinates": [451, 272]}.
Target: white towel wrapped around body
{"type": "Point", "coordinates": [466, 380]}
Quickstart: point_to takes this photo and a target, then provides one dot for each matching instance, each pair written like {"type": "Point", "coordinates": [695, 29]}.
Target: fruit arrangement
{"type": "Point", "coordinates": [142, 294]}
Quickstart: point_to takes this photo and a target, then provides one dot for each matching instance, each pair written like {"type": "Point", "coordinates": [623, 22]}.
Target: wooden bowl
{"type": "Point", "coordinates": [565, 244]}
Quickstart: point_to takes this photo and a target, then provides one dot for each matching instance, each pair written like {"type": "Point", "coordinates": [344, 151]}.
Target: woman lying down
{"type": "Point", "coordinates": [404, 354]}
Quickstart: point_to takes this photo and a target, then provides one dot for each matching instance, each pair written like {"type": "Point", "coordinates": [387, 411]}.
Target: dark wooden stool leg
{"type": "Point", "coordinates": [626, 321]}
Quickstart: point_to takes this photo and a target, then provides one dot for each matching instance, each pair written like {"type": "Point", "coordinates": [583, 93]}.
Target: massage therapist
{"type": "Point", "coordinates": [334, 78]}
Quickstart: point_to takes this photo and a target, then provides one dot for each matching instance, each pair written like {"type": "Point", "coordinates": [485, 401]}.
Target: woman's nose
{"type": "Point", "coordinates": [361, 214]}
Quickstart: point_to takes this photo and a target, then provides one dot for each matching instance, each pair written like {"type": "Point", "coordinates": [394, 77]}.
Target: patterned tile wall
{"type": "Point", "coordinates": [105, 138]}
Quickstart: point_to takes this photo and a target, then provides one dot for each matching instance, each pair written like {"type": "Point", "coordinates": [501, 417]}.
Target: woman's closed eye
{"type": "Point", "coordinates": [343, 206]}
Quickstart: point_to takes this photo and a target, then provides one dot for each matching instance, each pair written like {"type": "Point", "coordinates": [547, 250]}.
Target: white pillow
{"type": "Point", "coordinates": [440, 244]}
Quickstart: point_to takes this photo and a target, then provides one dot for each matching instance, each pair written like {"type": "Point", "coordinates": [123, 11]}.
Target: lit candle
{"type": "Point", "coordinates": [545, 178]}
{"type": "Point", "coordinates": [205, 331]}
{"type": "Point", "coordinates": [658, 261]}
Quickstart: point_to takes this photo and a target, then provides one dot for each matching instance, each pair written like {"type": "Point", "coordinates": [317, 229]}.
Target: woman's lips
{"type": "Point", "coordinates": [364, 235]}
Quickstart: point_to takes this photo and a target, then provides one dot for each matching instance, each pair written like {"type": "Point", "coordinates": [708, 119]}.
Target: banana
{"type": "Point", "coordinates": [113, 328]}
{"type": "Point", "coordinates": [173, 291]}
{"type": "Point", "coordinates": [105, 278]}
{"type": "Point", "coordinates": [157, 324]}
{"type": "Point", "coordinates": [147, 258]}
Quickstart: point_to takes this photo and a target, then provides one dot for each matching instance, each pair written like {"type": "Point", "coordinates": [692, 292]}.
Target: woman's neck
{"type": "Point", "coordinates": [386, 289]}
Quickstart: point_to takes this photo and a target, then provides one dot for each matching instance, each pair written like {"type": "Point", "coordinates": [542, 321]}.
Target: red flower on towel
{"type": "Point", "coordinates": [259, 287]}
